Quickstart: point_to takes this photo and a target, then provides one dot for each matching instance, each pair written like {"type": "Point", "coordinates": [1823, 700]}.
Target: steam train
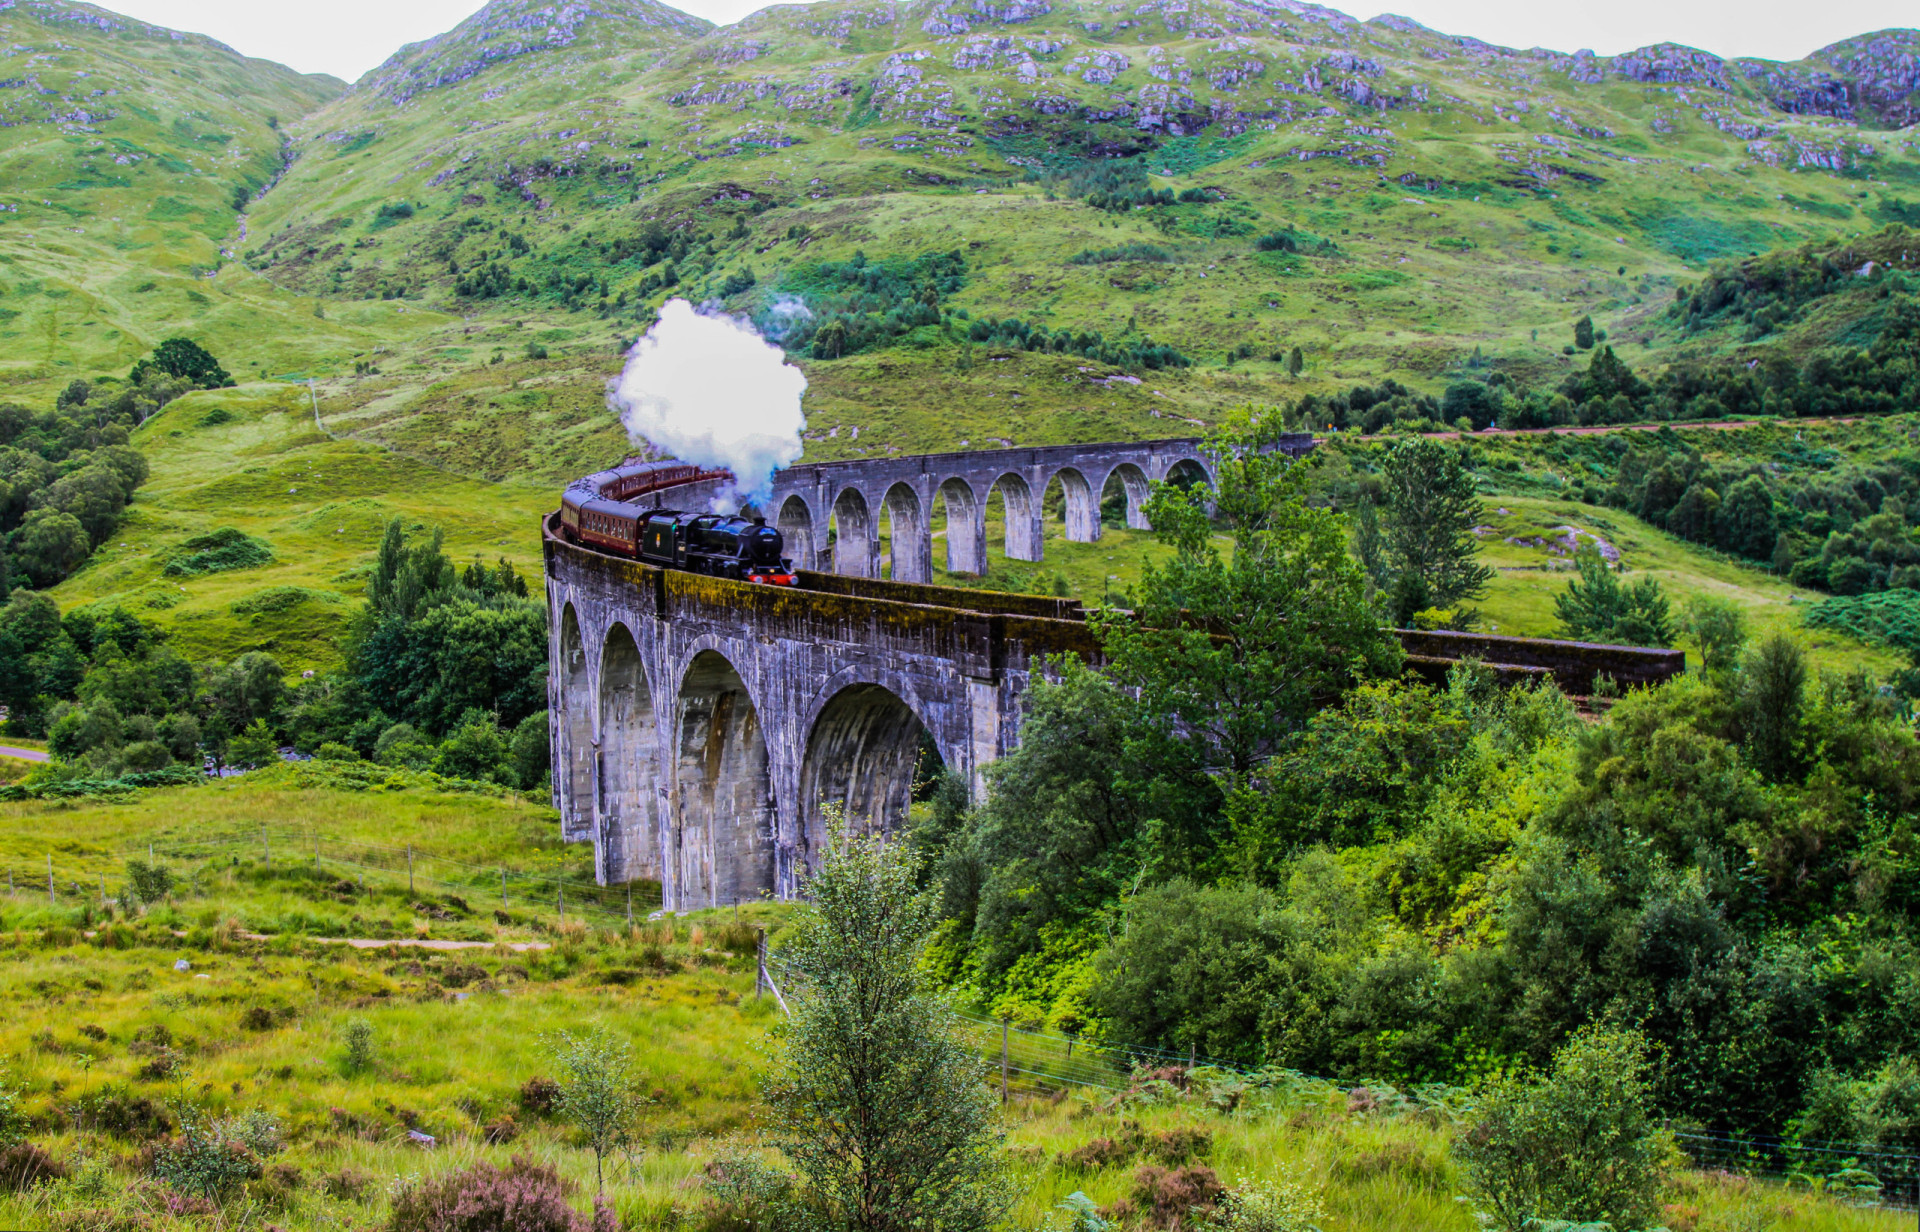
{"type": "Point", "coordinates": [608, 511]}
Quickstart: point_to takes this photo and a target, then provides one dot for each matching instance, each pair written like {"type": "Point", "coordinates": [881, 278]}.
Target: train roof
{"type": "Point", "coordinates": [635, 478]}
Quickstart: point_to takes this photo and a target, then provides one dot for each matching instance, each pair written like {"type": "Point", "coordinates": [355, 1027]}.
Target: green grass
{"type": "Point", "coordinates": [319, 505]}
{"type": "Point", "coordinates": [456, 1034]}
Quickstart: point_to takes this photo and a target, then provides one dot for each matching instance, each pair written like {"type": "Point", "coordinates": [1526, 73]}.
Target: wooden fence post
{"type": "Point", "coordinates": [1006, 1023]}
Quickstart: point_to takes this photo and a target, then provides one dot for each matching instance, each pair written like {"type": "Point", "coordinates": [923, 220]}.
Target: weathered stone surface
{"type": "Point", "coordinates": [699, 723]}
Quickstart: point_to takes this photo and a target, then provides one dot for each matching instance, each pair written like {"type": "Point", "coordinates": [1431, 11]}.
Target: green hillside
{"type": "Point", "coordinates": [126, 154]}
{"type": "Point", "coordinates": [1424, 196]}
{"type": "Point", "coordinates": [1223, 179]}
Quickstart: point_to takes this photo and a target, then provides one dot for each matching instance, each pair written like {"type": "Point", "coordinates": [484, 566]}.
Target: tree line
{"type": "Point", "coordinates": [445, 672]}
{"type": "Point", "coordinates": [1252, 836]}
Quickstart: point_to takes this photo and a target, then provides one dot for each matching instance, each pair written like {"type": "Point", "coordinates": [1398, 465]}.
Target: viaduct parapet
{"type": "Point", "coordinates": [701, 727]}
{"type": "Point", "coordinates": [849, 498]}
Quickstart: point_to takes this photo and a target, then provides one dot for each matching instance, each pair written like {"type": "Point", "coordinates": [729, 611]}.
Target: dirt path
{"type": "Point", "coordinates": [413, 943]}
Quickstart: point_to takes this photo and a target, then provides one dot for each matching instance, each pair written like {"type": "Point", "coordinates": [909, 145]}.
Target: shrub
{"type": "Point", "coordinates": [349, 1184]}
{"type": "Point", "coordinates": [24, 1165]}
{"type": "Point", "coordinates": [539, 1096]}
{"type": "Point", "coordinates": [523, 1196]}
{"type": "Point", "coordinates": [217, 552]}
{"type": "Point", "coordinates": [359, 1044]}
{"type": "Point", "coordinates": [1124, 252]}
{"type": "Point", "coordinates": [1175, 1198]}
{"type": "Point", "coordinates": [1579, 1144]}
{"type": "Point", "coordinates": [210, 1159]}
{"type": "Point", "coordinates": [134, 1117]}
{"type": "Point", "coordinates": [1271, 1206]}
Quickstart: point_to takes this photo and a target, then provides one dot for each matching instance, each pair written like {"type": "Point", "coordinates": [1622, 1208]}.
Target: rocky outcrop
{"type": "Point", "coordinates": [511, 29]}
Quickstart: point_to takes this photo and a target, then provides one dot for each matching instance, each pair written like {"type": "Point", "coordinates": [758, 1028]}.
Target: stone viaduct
{"type": "Point", "coordinates": [700, 727]}
{"type": "Point", "coordinates": [850, 497]}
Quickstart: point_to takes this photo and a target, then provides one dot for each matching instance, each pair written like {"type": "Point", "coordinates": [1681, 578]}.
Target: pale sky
{"type": "Point", "coordinates": [348, 37]}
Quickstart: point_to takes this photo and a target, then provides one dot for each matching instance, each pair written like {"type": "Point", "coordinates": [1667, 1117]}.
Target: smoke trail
{"type": "Point", "coordinates": [710, 390]}
{"type": "Point", "coordinates": [784, 316]}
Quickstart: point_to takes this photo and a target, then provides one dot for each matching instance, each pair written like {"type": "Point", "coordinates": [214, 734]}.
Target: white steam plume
{"type": "Point", "coordinates": [712, 391]}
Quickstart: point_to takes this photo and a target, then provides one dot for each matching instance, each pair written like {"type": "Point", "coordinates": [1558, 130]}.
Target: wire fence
{"type": "Point", "coordinates": [426, 873]}
{"type": "Point", "coordinates": [1043, 1063]}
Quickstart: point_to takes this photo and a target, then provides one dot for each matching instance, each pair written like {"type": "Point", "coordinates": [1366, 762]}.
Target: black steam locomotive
{"type": "Point", "coordinates": [605, 510]}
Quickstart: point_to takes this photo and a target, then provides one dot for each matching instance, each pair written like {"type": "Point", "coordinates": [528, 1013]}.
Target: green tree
{"type": "Point", "coordinates": [49, 546]}
{"type": "Point", "coordinates": [476, 750]}
{"type": "Point", "coordinates": [1747, 524]}
{"type": "Point", "coordinates": [597, 1092]}
{"type": "Point", "coordinates": [875, 1098]}
{"type": "Point", "coordinates": [1060, 836]}
{"type": "Point", "coordinates": [1693, 517]}
{"type": "Point", "coordinates": [1719, 628]}
{"type": "Point", "coordinates": [1296, 362]}
{"type": "Point", "coordinates": [1773, 682]}
{"type": "Point", "coordinates": [1229, 655]}
{"type": "Point", "coordinates": [185, 359]}
{"type": "Point", "coordinates": [1431, 508]}
{"type": "Point", "coordinates": [1580, 1144]}
{"type": "Point", "coordinates": [1583, 333]}
{"type": "Point", "coordinates": [1595, 606]}
{"type": "Point", "coordinates": [256, 746]}
{"type": "Point", "coordinates": [530, 752]}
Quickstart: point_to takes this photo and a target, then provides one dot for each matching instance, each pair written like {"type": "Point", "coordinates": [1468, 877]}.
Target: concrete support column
{"type": "Point", "coordinates": [911, 541]}
{"type": "Point", "coordinates": [1083, 508]}
{"type": "Point", "coordinates": [966, 529]}
{"type": "Point", "coordinates": [856, 550]}
{"type": "Point", "coordinates": [1024, 519]}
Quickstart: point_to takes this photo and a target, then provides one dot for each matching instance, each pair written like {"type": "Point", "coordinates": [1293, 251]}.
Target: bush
{"type": "Point", "coordinates": [1176, 1197]}
{"type": "Point", "coordinates": [523, 1196]}
{"type": "Point", "coordinates": [539, 1096]}
{"type": "Point", "coordinates": [359, 1044]}
{"type": "Point", "coordinates": [1579, 1144]}
{"type": "Point", "coordinates": [217, 552]}
{"type": "Point", "coordinates": [211, 1159]}
{"type": "Point", "coordinates": [349, 1184]}
{"type": "Point", "coordinates": [1271, 1206]}
{"type": "Point", "coordinates": [24, 1165]}
{"type": "Point", "coordinates": [1125, 252]}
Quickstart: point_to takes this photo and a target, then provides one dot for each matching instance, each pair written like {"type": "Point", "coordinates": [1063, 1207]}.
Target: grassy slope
{"type": "Point", "coordinates": [453, 1065]}
{"type": "Point", "coordinates": [321, 505]}
{"type": "Point", "coordinates": [1426, 271]}
{"type": "Point", "coordinates": [120, 163]}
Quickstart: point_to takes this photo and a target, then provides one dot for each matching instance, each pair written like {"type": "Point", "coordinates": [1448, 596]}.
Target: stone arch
{"type": "Point", "coordinates": [573, 729]}
{"type": "Point", "coordinates": [795, 521]}
{"type": "Point", "coordinates": [852, 534]}
{"type": "Point", "coordinates": [1082, 506]}
{"type": "Point", "coordinates": [724, 841]}
{"type": "Point", "coordinates": [909, 542]}
{"type": "Point", "coordinates": [862, 747]}
{"type": "Point", "coordinates": [966, 528]}
{"type": "Point", "coordinates": [1134, 491]}
{"type": "Point", "coordinates": [1023, 538]}
{"type": "Point", "coordinates": [1186, 471]}
{"type": "Point", "coordinates": [627, 842]}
